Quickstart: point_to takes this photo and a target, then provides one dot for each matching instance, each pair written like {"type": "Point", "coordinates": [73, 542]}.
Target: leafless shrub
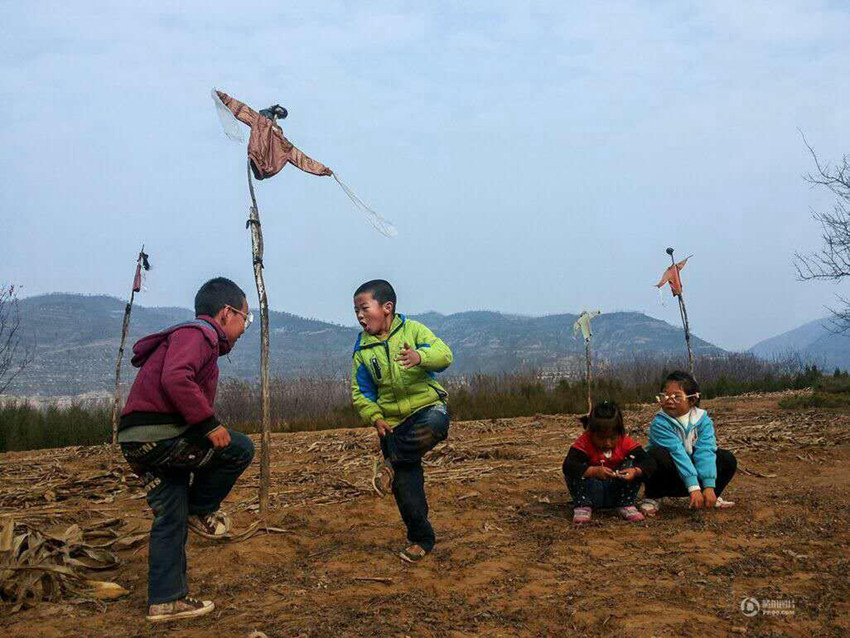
{"type": "Point", "coordinates": [832, 261]}
{"type": "Point", "coordinates": [14, 357]}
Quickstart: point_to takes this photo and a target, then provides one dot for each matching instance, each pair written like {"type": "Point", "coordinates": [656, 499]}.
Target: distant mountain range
{"type": "Point", "coordinates": [816, 341]}
{"type": "Point", "coordinates": [75, 338]}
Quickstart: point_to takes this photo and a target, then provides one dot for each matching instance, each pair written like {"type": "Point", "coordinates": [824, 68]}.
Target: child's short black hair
{"type": "Point", "coordinates": [216, 294]}
{"type": "Point", "coordinates": [604, 416]}
{"type": "Point", "coordinates": [686, 380]}
{"type": "Point", "coordinates": [380, 289]}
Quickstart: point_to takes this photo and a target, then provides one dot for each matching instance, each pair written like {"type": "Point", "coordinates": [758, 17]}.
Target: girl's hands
{"type": "Point", "coordinates": [709, 497]}
{"type": "Point", "coordinates": [599, 472]}
{"type": "Point", "coordinates": [697, 500]}
{"type": "Point", "coordinates": [408, 357]}
{"type": "Point", "coordinates": [630, 473]}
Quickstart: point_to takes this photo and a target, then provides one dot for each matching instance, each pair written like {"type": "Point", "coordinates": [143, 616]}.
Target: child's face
{"type": "Point", "coordinates": [605, 440]}
{"type": "Point", "coordinates": [372, 316]}
{"type": "Point", "coordinates": [232, 322]}
{"type": "Point", "coordinates": [676, 404]}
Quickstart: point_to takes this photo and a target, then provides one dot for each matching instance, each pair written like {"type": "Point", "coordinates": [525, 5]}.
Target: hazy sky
{"type": "Point", "coordinates": [535, 157]}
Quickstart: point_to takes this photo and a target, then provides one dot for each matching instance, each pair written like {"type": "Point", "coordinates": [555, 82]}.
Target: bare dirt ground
{"type": "Point", "coordinates": [508, 561]}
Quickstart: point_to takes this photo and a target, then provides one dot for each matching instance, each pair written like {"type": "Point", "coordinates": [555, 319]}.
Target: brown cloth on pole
{"type": "Point", "coordinates": [141, 262]}
{"type": "Point", "coordinates": [268, 148]}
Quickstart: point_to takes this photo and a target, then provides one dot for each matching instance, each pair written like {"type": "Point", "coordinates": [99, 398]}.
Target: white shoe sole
{"type": "Point", "coordinates": [376, 474]}
{"type": "Point", "coordinates": [194, 613]}
{"type": "Point", "coordinates": [409, 560]}
{"type": "Point", "coordinates": [200, 531]}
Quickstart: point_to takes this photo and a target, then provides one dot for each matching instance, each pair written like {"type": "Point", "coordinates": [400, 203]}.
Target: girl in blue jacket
{"type": "Point", "coordinates": [682, 442]}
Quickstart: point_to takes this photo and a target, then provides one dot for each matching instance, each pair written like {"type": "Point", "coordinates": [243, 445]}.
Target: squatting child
{"type": "Point", "coordinates": [604, 467]}
{"type": "Point", "coordinates": [394, 388]}
{"type": "Point", "coordinates": [684, 447]}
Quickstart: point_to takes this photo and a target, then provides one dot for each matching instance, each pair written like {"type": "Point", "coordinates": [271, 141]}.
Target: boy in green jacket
{"type": "Point", "coordinates": [394, 388]}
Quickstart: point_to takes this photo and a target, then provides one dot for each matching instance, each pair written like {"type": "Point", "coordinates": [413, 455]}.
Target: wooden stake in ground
{"type": "Point", "coordinates": [257, 256]}
{"type": "Point", "coordinates": [141, 263]}
{"type": "Point", "coordinates": [683, 311]}
{"type": "Point", "coordinates": [583, 324]}
{"type": "Point", "coordinates": [269, 152]}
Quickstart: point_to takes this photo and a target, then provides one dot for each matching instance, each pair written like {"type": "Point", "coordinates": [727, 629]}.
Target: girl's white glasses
{"type": "Point", "coordinates": [675, 398]}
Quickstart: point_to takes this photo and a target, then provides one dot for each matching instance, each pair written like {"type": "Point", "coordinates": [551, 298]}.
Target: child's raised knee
{"type": "Point", "coordinates": [242, 448]}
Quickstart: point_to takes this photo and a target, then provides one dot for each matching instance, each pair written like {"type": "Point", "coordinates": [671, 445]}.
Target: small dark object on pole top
{"type": "Point", "coordinates": [275, 112]}
{"type": "Point", "coordinates": [670, 251]}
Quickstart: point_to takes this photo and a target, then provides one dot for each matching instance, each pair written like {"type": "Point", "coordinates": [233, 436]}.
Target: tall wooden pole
{"type": "Point", "coordinates": [683, 311]}
{"type": "Point", "coordinates": [588, 375]}
{"type": "Point", "coordinates": [257, 253]}
{"type": "Point", "coordinates": [125, 328]}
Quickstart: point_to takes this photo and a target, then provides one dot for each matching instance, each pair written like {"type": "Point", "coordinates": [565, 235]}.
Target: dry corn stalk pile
{"type": "Point", "coordinates": [37, 565]}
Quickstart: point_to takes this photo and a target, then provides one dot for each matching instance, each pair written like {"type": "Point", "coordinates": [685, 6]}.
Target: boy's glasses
{"type": "Point", "coordinates": [249, 316]}
{"type": "Point", "coordinates": [675, 398]}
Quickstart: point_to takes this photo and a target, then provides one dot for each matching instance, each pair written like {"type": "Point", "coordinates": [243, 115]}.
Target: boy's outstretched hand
{"type": "Point", "coordinates": [219, 437]}
{"type": "Point", "coordinates": [710, 498]}
{"type": "Point", "coordinates": [408, 357]}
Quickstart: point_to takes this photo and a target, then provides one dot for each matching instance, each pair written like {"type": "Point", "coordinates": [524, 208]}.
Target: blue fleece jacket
{"type": "Point", "coordinates": [693, 447]}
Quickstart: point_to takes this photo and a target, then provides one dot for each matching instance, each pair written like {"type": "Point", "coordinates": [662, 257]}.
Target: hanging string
{"type": "Point", "coordinates": [383, 226]}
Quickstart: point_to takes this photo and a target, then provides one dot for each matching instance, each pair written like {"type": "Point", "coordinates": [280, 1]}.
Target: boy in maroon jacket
{"type": "Point", "coordinates": [168, 432]}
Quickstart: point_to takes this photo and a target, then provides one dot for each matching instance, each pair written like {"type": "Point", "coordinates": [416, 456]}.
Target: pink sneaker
{"type": "Point", "coordinates": [650, 506]}
{"type": "Point", "coordinates": [581, 515]}
{"type": "Point", "coordinates": [631, 514]}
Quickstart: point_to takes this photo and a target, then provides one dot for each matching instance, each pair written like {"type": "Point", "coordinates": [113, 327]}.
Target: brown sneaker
{"type": "Point", "coordinates": [177, 609]}
{"type": "Point", "coordinates": [382, 477]}
{"type": "Point", "coordinates": [413, 554]}
{"type": "Point", "coordinates": [215, 524]}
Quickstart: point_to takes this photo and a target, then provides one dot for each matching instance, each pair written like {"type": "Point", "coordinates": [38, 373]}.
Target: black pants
{"type": "Point", "coordinates": [404, 449]}
{"type": "Point", "coordinates": [665, 481]}
{"type": "Point", "coordinates": [602, 494]}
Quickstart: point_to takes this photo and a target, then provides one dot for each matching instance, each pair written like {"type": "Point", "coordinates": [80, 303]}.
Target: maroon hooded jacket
{"type": "Point", "coordinates": [178, 376]}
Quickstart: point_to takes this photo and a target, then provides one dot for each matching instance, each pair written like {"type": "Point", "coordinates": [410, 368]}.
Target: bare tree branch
{"type": "Point", "coordinates": [14, 357]}
{"type": "Point", "coordinates": [832, 261]}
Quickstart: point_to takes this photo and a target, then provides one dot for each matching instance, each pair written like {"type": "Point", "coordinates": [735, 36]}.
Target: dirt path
{"type": "Point", "coordinates": [508, 561]}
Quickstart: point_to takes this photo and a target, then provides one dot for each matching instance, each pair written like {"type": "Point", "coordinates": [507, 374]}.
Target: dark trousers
{"type": "Point", "coordinates": [166, 467]}
{"type": "Point", "coordinates": [404, 448]}
{"type": "Point", "coordinates": [665, 481]}
{"type": "Point", "coordinates": [601, 494]}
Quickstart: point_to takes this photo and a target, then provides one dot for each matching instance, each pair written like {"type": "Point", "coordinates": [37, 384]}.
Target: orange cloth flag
{"type": "Point", "coordinates": [671, 276]}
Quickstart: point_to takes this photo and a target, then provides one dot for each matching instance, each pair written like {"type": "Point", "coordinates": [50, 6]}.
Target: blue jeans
{"type": "Point", "coordinates": [165, 468]}
{"type": "Point", "coordinates": [599, 494]}
{"type": "Point", "coordinates": [404, 448]}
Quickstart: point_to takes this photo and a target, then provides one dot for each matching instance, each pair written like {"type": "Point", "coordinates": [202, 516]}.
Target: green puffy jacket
{"type": "Point", "coordinates": [381, 388]}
